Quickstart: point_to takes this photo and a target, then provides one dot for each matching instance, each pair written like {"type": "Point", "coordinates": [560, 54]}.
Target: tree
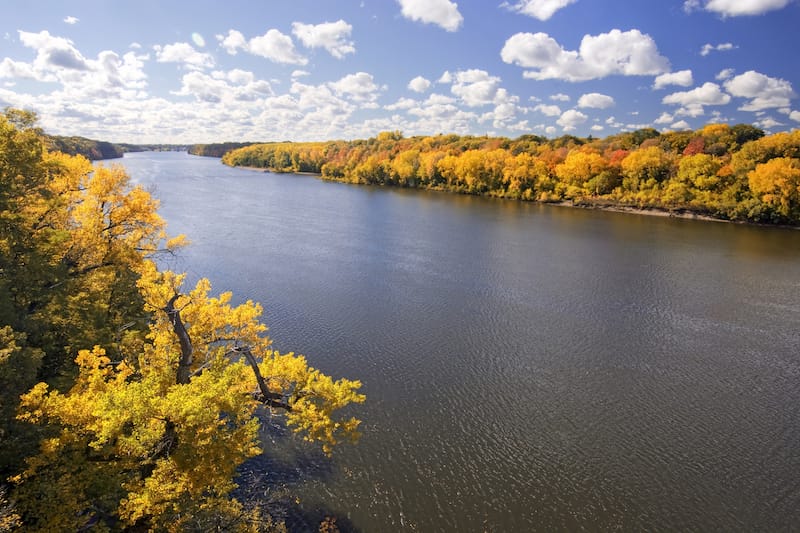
{"type": "Point", "coordinates": [580, 167]}
{"type": "Point", "coordinates": [149, 426]}
{"type": "Point", "coordinates": [646, 167]}
{"type": "Point", "coordinates": [155, 439]}
{"type": "Point", "coordinates": [777, 184]}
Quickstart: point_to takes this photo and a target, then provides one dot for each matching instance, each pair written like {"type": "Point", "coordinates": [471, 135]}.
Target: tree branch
{"type": "Point", "coordinates": [273, 399]}
{"type": "Point", "coordinates": [187, 351]}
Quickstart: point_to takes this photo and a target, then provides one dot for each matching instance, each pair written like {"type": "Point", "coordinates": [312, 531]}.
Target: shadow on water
{"type": "Point", "coordinates": [268, 481]}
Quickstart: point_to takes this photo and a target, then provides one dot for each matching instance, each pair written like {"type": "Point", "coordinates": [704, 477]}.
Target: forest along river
{"type": "Point", "coordinates": [527, 367]}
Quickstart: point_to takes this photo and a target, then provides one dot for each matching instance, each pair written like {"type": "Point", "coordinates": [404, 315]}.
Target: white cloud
{"type": "Point", "coordinates": [53, 52]}
{"type": "Point", "coordinates": [402, 103]}
{"type": "Point", "coordinates": [665, 118]}
{"type": "Point", "coordinates": [725, 74]}
{"type": "Point", "coordinates": [332, 36]}
{"type": "Point", "coordinates": [765, 92]}
{"type": "Point", "coordinates": [681, 125]}
{"type": "Point", "coordinates": [596, 101]}
{"type": "Point", "coordinates": [560, 97]}
{"type": "Point", "coordinates": [276, 47]}
{"type": "Point", "coordinates": [629, 53]}
{"type": "Point", "coordinates": [446, 77]}
{"type": "Point", "coordinates": [233, 41]}
{"type": "Point", "coordinates": [540, 9]}
{"type": "Point", "coordinates": [549, 110]}
{"type": "Point", "coordinates": [550, 130]}
{"type": "Point", "coordinates": [723, 47]}
{"type": "Point", "coordinates": [71, 20]}
{"type": "Point", "coordinates": [183, 53]}
{"type": "Point", "coordinates": [419, 84]}
{"type": "Point", "coordinates": [693, 101]}
{"type": "Point", "coordinates": [273, 45]}
{"type": "Point", "coordinates": [597, 127]}
{"type": "Point", "coordinates": [236, 85]}
{"type": "Point", "coordinates": [440, 12]}
{"type": "Point", "coordinates": [571, 119]}
{"type": "Point", "coordinates": [735, 8]}
{"type": "Point", "coordinates": [767, 123]}
{"type": "Point", "coordinates": [17, 69]}
{"type": "Point", "coordinates": [795, 115]}
{"type": "Point", "coordinates": [300, 73]}
{"type": "Point", "coordinates": [359, 86]}
{"type": "Point", "coordinates": [682, 78]}
{"type": "Point", "coordinates": [475, 87]}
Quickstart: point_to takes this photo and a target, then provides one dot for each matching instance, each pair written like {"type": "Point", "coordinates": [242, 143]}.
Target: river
{"type": "Point", "coordinates": [527, 367]}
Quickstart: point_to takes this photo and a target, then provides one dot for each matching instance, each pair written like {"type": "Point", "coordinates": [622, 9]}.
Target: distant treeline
{"type": "Point", "coordinates": [90, 149]}
{"type": "Point", "coordinates": [722, 171]}
{"type": "Point", "coordinates": [97, 150]}
{"type": "Point", "coordinates": [216, 149]}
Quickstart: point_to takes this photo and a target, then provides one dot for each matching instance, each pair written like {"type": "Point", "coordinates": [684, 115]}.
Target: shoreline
{"type": "Point", "coordinates": [646, 211]}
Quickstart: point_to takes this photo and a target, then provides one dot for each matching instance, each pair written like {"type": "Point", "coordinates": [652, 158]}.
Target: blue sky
{"type": "Point", "coordinates": [203, 71]}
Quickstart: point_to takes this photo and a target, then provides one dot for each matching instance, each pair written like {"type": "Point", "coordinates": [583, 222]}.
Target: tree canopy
{"type": "Point", "coordinates": [707, 171]}
{"type": "Point", "coordinates": [128, 400]}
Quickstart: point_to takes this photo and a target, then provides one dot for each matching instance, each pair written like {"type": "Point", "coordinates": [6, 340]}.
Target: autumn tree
{"type": "Point", "coordinates": [777, 184]}
{"type": "Point", "coordinates": [146, 430]}
{"type": "Point", "coordinates": [154, 439]}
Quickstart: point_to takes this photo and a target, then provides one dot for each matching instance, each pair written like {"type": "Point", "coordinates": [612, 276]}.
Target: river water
{"type": "Point", "coordinates": [527, 367]}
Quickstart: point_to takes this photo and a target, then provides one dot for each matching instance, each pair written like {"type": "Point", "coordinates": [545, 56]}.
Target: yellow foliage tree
{"type": "Point", "coordinates": [147, 430]}
{"type": "Point", "coordinates": [155, 439]}
{"type": "Point", "coordinates": [777, 183]}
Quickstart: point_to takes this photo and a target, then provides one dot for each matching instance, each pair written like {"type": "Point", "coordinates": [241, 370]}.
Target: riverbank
{"type": "Point", "coordinates": [580, 204]}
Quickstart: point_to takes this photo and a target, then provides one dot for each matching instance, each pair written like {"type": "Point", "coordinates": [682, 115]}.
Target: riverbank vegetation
{"type": "Point", "coordinates": [217, 149]}
{"type": "Point", "coordinates": [128, 400]}
{"type": "Point", "coordinates": [721, 171]}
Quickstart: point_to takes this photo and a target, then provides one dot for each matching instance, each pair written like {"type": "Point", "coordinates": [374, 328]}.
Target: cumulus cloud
{"type": "Point", "coordinates": [560, 97]}
{"type": "Point", "coordinates": [71, 20]}
{"type": "Point", "coordinates": [665, 118]}
{"type": "Point", "coordinates": [53, 52]}
{"type": "Point", "coordinates": [475, 87]}
{"type": "Point", "coordinates": [549, 110]}
{"type": "Point", "coordinates": [277, 47]}
{"type": "Point", "coordinates": [332, 36]}
{"type": "Point", "coordinates": [540, 9]}
{"type": "Point", "coordinates": [682, 78]}
{"type": "Point", "coordinates": [402, 103]}
{"type": "Point", "coordinates": [233, 42]}
{"type": "Point", "coordinates": [571, 119]}
{"type": "Point", "coordinates": [17, 69]}
{"type": "Point", "coordinates": [767, 123]}
{"type": "Point", "coordinates": [725, 74]}
{"type": "Point", "coordinates": [183, 53]}
{"type": "Point", "coordinates": [629, 53]}
{"type": "Point", "coordinates": [359, 86]}
{"type": "Point", "coordinates": [419, 84]}
{"type": "Point", "coordinates": [693, 101]}
{"type": "Point", "coordinates": [735, 8]}
{"type": "Point", "coordinates": [443, 13]}
{"type": "Point", "coordinates": [795, 115]}
{"type": "Point", "coordinates": [596, 101]}
{"type": "Point", "coordinates": [722, 47]}
{"type": "Point", "coordinates": [224, 86]}
{"type": "Point", "coordinates": [765, 92]}
{"type": "Point", "coordinates": [273, 45]}
{"type": "Point", "coordinates": [681, 125]}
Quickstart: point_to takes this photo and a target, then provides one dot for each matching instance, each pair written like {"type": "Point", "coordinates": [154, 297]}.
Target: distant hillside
{"type": "Point", "coordinates": [217, 149]}
{"type": "Point", "coordinates": [89, 148]}
{"type": "Point", "coordinates": [97, 150]}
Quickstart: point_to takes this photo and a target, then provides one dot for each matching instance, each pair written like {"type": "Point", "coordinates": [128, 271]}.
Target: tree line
{"type": "Point", "coordinates": [127, 399]}
{"type": "Point", "coordinates": [727, 172]}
